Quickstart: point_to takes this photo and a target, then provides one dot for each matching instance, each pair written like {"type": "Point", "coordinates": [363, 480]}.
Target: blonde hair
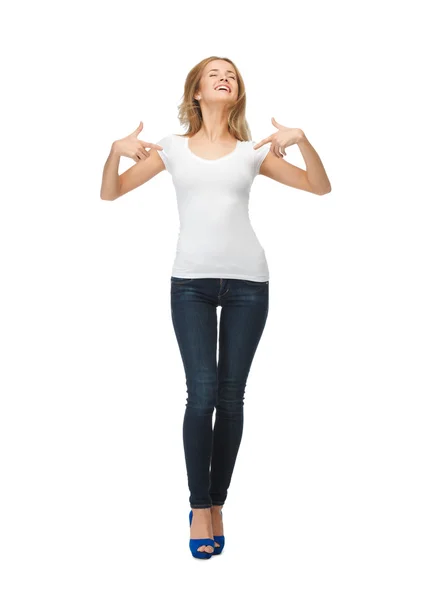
{"type": "Point", "coordinates": [189, 111]}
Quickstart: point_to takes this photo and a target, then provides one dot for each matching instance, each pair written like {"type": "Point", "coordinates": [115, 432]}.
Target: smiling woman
{"type": "Point", "coordinates": [219, 262]}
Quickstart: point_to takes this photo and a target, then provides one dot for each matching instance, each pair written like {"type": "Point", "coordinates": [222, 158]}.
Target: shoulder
{"type": "Point", "coordinates": [171, 144]}
{"type": "Point", "coordinates": [166, 141]}
{"type": "Point", "coordinates": [259, 154]}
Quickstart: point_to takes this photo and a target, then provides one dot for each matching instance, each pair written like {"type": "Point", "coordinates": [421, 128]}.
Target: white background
{"type": "Point", "coordinates": [335, 489]}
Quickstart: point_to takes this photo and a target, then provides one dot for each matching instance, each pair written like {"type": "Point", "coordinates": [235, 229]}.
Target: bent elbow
{"type": "Point", "coordinates": [327, 191]}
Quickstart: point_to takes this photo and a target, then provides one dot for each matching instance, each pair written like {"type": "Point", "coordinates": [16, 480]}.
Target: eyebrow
{"type": "Point", "coordinates": [228, 71]}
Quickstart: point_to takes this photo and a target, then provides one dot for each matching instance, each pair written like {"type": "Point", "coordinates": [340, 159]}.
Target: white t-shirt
{"type": "Point", "coordinates": [216, 237]}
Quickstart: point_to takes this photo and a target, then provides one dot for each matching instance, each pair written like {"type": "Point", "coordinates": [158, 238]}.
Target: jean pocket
{"type": "Point", "coordinates": [254, 286]}
{"type": "Point", "coordinates": [180, 280]}
{"type": "Point", "coordinates": [254, 283]}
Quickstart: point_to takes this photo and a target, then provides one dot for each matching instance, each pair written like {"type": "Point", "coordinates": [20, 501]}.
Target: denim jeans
{"type": "Point", "coordinates": [210, 455]}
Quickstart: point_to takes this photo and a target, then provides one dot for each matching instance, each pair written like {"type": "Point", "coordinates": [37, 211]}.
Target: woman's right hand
{"type": "Point", "coordinates": [133, 148]}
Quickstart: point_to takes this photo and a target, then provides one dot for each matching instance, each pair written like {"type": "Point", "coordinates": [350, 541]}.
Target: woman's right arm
{"type": "Point", "coordinates": [148, 164]}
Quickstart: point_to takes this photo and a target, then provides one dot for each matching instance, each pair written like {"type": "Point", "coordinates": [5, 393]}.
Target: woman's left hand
{"type": "Point", "coordinates": [286, 136]}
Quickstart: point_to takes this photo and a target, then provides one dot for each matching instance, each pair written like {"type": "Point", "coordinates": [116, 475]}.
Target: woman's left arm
{"type": "Point", "coordinates": [313, 180]}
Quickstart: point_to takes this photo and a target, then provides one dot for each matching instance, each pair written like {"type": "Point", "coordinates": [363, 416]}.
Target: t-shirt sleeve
{"type": "Point", "coordinates": [258, 156]}
{"type": "Point", "coordinates": [166, 153]}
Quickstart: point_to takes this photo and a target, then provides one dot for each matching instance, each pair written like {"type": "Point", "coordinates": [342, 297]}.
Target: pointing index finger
{"type": "Point", "coordinates": [151, 145]}
{"type": "Point", "coordinates": [261, 143]}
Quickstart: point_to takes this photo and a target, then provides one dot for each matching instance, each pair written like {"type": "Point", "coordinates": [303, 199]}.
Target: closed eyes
{"type": "Point", "coordinates": [214, 74]}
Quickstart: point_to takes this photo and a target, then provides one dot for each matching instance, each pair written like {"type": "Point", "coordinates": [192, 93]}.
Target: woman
{"type": "Point", "coordinates": [219, 262]}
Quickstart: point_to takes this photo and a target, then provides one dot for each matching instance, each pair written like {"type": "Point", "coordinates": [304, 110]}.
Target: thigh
{"type": "Point", "coordinates": [194, 318]}
{"type": "Point", "coordinates": [243, 316]}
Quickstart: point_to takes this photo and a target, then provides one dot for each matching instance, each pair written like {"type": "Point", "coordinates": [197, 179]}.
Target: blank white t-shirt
{"type": "Point", "coordinates": [216, 238]}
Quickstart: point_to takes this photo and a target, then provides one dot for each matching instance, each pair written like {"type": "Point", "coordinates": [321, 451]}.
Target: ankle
{"type": "Point", "coordinates": [201, 511]}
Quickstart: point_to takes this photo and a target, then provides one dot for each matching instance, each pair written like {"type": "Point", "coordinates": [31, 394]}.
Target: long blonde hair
{"type": "Point", "coordinates": [189, 111]}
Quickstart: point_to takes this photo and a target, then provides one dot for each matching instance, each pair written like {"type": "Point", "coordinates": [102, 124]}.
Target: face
{"type": "Point", "coordinates": [216, 74]}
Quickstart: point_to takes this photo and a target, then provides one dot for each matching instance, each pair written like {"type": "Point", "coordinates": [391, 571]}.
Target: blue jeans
{"type": "Point", "coordinates": [210, 455]}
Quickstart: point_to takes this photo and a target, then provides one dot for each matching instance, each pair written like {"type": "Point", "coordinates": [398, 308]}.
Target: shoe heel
{"type": "Point", "coordinates": [221, 540]}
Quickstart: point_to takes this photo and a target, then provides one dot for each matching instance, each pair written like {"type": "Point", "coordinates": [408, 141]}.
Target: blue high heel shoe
{"type": "Point", "coordinates": [196, 543]}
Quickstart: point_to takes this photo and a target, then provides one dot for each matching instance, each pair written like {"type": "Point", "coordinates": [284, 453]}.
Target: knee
{"type": "Point", "coordinates": [202, 395]}
{"type": "Point", "coordinates": [230, 398]}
